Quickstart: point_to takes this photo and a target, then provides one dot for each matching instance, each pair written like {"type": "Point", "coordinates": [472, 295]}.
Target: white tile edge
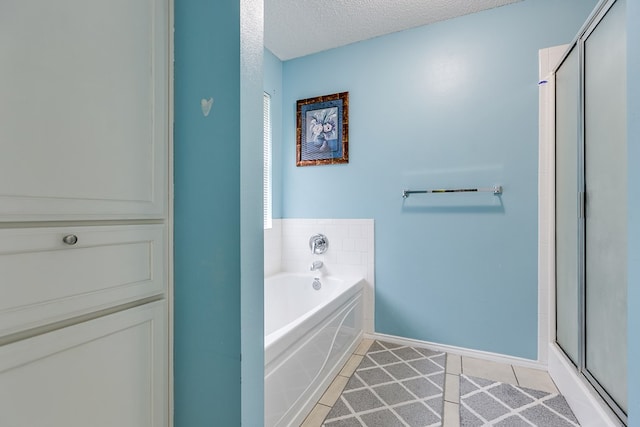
{"type": "Point", "coordinates": [478, 354]}
{"type": "Point", "coordinates": [544, 105]}
{"type": "Point", "coordinates": [588, 408]}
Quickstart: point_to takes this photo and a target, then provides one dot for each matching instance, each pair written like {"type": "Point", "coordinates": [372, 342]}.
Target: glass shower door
{"type": "Point", "coordinates": [591, 204]}
{"type": "Point", "coordinates": [605, 174]}
{"type": "Point", "coordinates": [567, 206]}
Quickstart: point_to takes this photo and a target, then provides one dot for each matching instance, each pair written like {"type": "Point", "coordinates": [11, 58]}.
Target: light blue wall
{"type": "Point", "coordinates": [251, 221]}
{"type": "Point", "coordinates": [633, 138]}
{"type": "Point", "coordinates": [447, 105]}
{"type": "Point", "coordinates": [218, 347]}
{"type": "Point", "coordinates": [273, 86]}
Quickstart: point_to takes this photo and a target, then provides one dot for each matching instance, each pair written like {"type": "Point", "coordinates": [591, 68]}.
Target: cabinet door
{"type": "Point", "coordinates": [107, 372]}
{"type": "Point", "coordinates": [83, 104]}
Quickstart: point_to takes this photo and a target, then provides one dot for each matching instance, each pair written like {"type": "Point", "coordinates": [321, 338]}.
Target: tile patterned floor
{"type": "Point", "coordinates": [486, 402]}
{"type": "Point", "coordinates": [393, 386]}
{"type": "Point", "coordinates": [387, 385]}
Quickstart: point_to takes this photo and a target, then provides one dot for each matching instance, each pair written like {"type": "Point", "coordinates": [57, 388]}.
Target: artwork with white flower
{"type": "Point", "coordinates": [322, 130]}
{"type": "Point", "coordinates": [322, 135]}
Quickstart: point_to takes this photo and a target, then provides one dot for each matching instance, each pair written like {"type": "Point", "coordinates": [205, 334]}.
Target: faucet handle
{"type": "Point", "coordinates": [318, 243]}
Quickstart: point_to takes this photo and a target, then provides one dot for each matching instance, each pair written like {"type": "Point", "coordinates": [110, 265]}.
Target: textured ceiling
{"type": "Point", "coordinates": [296, 28]}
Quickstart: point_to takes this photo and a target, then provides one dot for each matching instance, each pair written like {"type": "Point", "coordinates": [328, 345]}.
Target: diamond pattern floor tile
{"type": "Point", "coordinates": [492, 403]}
{"type": "Point", "coordinates": [393, 393]}
{"type": "Point", "coordinates": [394, 385]}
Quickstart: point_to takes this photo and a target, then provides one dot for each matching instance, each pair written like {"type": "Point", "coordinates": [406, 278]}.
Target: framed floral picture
{"type": "Point", "coordinates": [322, 134]}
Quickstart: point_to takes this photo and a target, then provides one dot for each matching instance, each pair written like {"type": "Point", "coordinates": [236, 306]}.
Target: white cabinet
{"type": "Point", "coordinates": [106, 372]}
{"type": "Point", "coordinates": [45, 280]}
{"type": "Point", "coordinates": [84, 155]}
{"type": "Point", "coordinates": [84, 108]}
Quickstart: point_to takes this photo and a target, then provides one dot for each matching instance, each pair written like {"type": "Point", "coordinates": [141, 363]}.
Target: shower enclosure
{"type": "Point", "coordinates": [591, 204]}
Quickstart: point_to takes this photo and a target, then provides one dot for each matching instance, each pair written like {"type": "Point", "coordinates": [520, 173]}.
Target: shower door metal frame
{"type": "Point", "coordinates": [579, 43]}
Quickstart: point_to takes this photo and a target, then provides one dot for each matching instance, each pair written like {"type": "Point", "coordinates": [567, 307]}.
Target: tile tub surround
{"type": "Point", "coordinates": [350, 253]}
{"type": "Point", "coordinates": [332, 407]}
{"type": "Point", "coordinates": [273, 248]}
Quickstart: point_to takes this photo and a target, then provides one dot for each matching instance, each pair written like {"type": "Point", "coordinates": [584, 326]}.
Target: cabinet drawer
{"type": "Point", "coordinates": [44, 280]}
{"type": "Point", "coordinates": [110, 371]}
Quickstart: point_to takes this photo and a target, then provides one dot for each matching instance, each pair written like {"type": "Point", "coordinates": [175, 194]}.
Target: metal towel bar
{"type": "Point", "coordinates": [496, 189]}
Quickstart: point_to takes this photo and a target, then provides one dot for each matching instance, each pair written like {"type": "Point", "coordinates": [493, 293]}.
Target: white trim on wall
{"type": "Point", "coordinates": [548, 58]}
{"type": "Point", "coordinates": [462, 351]}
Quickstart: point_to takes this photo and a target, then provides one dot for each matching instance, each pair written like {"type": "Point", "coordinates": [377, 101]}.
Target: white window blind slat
{"type": "Point", "coordinates": [266, 161]}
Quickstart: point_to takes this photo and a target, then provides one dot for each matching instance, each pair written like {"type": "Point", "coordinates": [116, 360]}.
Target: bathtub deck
{"type": "Point", "coordinates": [385, 384]}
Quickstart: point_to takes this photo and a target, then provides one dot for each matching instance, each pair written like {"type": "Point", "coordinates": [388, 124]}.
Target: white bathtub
{"type": "Point", "coordinates": [309, 334]}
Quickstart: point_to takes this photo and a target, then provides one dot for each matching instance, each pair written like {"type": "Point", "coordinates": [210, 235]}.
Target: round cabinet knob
{"type": "Point", "coordinates": [70, 239]}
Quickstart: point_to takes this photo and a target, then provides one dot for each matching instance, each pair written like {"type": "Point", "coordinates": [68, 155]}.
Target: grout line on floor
{"type": "Point", "coordinates": [333, 392]}
{"type": "Point", "coordinates": [452, 395]}
{"type": "Point", "coordinates": [316, 417]}
{"type": "Point", "coordinates": [450, 414]}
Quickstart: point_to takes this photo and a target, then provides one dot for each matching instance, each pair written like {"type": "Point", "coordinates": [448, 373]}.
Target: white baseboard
{"type": "Point", "coordinates": [588, 407]}
{"type": "Point", "coordinates": [478, 354]}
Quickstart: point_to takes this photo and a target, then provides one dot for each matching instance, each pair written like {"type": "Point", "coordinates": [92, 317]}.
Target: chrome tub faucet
{"type": "Point", "coordinates": [316, 265]}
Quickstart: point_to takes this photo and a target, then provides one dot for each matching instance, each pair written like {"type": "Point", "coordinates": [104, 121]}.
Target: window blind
{"type": "Point", "coordinates": [266, 161]}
